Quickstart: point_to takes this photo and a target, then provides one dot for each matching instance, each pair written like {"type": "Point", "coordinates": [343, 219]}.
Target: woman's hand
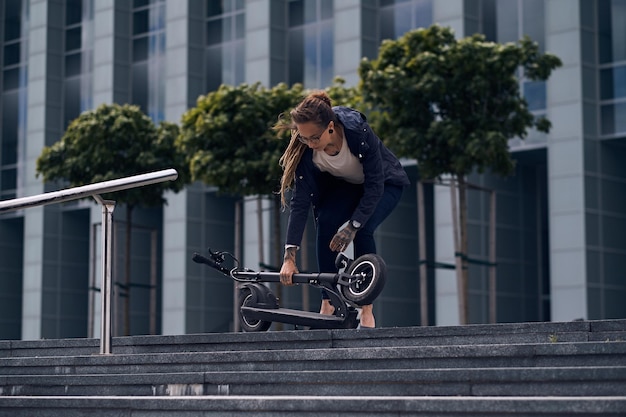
{"type": "Point", "coordinates": [289, 266]}
{"type": "Point", "coordinates": [343, 238]}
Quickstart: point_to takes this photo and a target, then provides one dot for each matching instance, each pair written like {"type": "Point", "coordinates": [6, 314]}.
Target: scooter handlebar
{"type": "Point", "coordinates": [264, 276]}
{"type": "Point", "coordinates": [199, 259]}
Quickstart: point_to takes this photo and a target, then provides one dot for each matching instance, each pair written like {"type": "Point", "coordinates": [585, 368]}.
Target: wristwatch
{"type": "Point", "coordinates": [356, 225]}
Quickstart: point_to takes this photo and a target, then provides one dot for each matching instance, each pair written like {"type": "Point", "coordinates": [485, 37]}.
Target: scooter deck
{"type": "Point", "coordinates": [301, 318]}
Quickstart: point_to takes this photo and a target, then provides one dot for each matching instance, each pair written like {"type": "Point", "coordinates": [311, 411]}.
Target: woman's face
{"type": "Point", "coordinates": [311, 135]}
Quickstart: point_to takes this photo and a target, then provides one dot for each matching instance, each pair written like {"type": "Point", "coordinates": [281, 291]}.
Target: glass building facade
{"type": "Point", "coordinates": [561, 246]}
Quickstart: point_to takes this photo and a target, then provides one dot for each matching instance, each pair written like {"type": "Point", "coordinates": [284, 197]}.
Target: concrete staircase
{"type": "Point", "coordinates": [522, 369]}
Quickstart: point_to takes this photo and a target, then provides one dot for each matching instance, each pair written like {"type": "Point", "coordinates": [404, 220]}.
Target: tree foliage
{"type": "Point", "coordinates": [453, 104]}
{"type": "Point", "coordinates": [116, 141]}
{"type": "Point", "coordinates": [229, 141]}
{"type": "Point", "coordinates": [110, 142]}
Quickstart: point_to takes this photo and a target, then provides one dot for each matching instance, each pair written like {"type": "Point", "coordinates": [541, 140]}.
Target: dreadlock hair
{"type": "Point", "coordinates": [315, 108]}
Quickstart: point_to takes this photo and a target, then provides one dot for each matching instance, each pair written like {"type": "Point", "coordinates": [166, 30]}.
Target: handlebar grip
{"type": "Point", "coordinates": [199, 259]}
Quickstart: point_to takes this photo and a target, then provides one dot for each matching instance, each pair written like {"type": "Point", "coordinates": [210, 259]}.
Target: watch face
{"type": "Point", "coordinates": [356, 224]}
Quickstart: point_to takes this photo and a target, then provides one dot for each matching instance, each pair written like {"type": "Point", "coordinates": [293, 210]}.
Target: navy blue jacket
{"type": "Point", "coordinates": [380, 166]}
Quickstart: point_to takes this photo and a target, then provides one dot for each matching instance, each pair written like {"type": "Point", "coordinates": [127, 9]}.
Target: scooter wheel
{"type": "Point", "coordinates": [249, 297]}
{"type": "Point", "coordinates": [370, 273]}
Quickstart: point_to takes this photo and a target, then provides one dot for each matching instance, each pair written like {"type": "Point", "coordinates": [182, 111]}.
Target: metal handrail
{"type": "Point", "coordinates": [94, 190]}
{"type": "Point", "coordinates": [83, 191]}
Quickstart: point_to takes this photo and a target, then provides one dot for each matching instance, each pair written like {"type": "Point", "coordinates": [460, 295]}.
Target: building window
{"type": "Point", "coordinates": [612, 55]}
{"type": "Point", "coordinates": [311, 43]}
{"type": "Point", "coordinates": [13, 93]}
{"type": "Point", "coordinates": [148, 57]}
{"type": "Point", "coordinates": [400, 16]}
{"type": "Point", "coordinates": [78, 58]}
{"type": "Point", "coordinates": [514, 20]}
{"type": "Point", "coordinates": [225, 43]}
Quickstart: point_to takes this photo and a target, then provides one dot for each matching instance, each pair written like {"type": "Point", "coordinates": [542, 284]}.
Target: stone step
{"type": "Point", "coordinates": [585, 354]}
{"type": "Point", "coordinates": [567, 381]}
{"type": "Point", "coordinates": [311, 406]}
{"type": "Point", "coordinates": [513, 333]}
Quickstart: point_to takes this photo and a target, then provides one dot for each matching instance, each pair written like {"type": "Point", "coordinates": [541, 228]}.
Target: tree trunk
{"type": "Point", "coordinates": [458, 262]}
{"type": "Point", "coordinates": [129, 225]}
{"type": "Point", "coordinates": [421, 216]}
{"type": "Point", "coordinates": [278, 249]}
{"type": "Point", "coordinates": [463, 248]}
{"type": "Point", "coordinates": [260, 237]}
{"type": "Point", "coordinates": [238, 221]}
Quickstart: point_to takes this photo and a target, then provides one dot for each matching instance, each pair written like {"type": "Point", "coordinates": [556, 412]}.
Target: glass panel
{"type": "Point", "coordinates": [326, 54]}
{"type": "Point", "coordinates": [488, 16]}
{"type": "Point", "coordinates": [214, 32]}
{"type": "Point", "coordinates": [9, 179]}
{"type": "Point", "coordinates": [161, 41]}
{"type": "Point", "coordinates": [214, 8]}
{"type": "Point", "coordinates": [613, 118]}
{"type": "Point", "coordinates": [9, 152]}
{"type": "Point", "coordinates": [423, 13]}
{"type": "Point", "coordinates": [296, 13]}
{"type": "Point", "coordinates": [604, 31]}
{"type": "Point", "coordinates": [240, 26]}
{"type": "Point", "coordinates": [73, 39]}
{"type": "Point", "coordinates": [11, 79]}
{"type": "Point", "coordinates": [73, 12]}
{"type": "Point", "coordinates": [71, 101]}
{"type": "Point", "coordinates": [227, 29]}
{"type": "Point", "coordinates": [240, 58]}
{"type": "Point", "coordinates": [140, 49]}
{"type": "Point", "coordinates": [140, 22]}
{"type": "Point", "coordinates": [310, 11]}
{"type": "Point", "coordinates": [140, 85]}
{"type": "Point", "coordinates": [72, 64]}
{"type": "Point", "coordinates": [228, 72]}
{"type": "Point", "coordinates": [157, 18]}
{"type": "Point", "coordinates": [613, 83]}
{"type": "Point", "coordinates": [296, 56]}
{"type": "Point", "coordinates": [611, 30]}
{"type": "Point", "coordinates": [327, 9]}
{"type": "Point", "coordinates": [12, 19]}
{"type": "Point", "coordinates": [86, 98]}
{"type": "Point", "coordinates": [534, 23]}
{"type": "Point", "coordinates": [535, 95]}
{"type": "Point", "coordinates": [386, 24]}
{"type": "Point", "coordinates": [310, 56]}
{"type": "Point", "coordinates": [402, 20]}
{"type": "Point", "coordinates": [12, 54]}
{"type": "Point", "coordinates": [228, 6]}
{"type": "Point", "coordinates": [506, 12]}
{"type": "Point", "coordinates": [618, 15]}
{"type": "Point", "coordinates": [9, 125]}
{"type": "Point", "coordinates": [141, 3]}
{"type": "Point", "coordinates": [213, 67]}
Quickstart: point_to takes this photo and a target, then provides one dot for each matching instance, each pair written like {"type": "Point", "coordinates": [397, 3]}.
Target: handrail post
{"type": "Point", "coordinates": [94, 190]}
{"type": "Point", "coordinates": [107, 226]}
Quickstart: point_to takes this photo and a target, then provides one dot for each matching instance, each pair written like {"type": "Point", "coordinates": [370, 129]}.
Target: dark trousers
{"type": "Point", "coordinates": [338, 202]}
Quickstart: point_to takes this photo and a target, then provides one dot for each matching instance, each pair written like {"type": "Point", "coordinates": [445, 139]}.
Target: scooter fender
{"type": "Point", "coordinates": [260, 296]}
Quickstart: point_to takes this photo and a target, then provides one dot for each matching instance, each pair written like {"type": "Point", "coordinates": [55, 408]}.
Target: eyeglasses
{"type": "Point", "coordinates": [314, 138]}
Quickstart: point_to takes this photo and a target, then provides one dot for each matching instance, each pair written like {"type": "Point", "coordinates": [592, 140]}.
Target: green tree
{"type": "Point", "coordinates": [453, 105]}
{"type": "Point", "coordinates": [110, 142]}
{"type": "Point", "coordinates": [229, 142]}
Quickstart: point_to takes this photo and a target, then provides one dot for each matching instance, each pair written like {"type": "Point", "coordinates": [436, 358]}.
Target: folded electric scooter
{"type": "Point", "coordinates": [358, 282]}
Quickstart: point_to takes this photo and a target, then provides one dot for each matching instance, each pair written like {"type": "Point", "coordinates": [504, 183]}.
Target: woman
{"type": "Point", "coordinates": [337, 165]}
